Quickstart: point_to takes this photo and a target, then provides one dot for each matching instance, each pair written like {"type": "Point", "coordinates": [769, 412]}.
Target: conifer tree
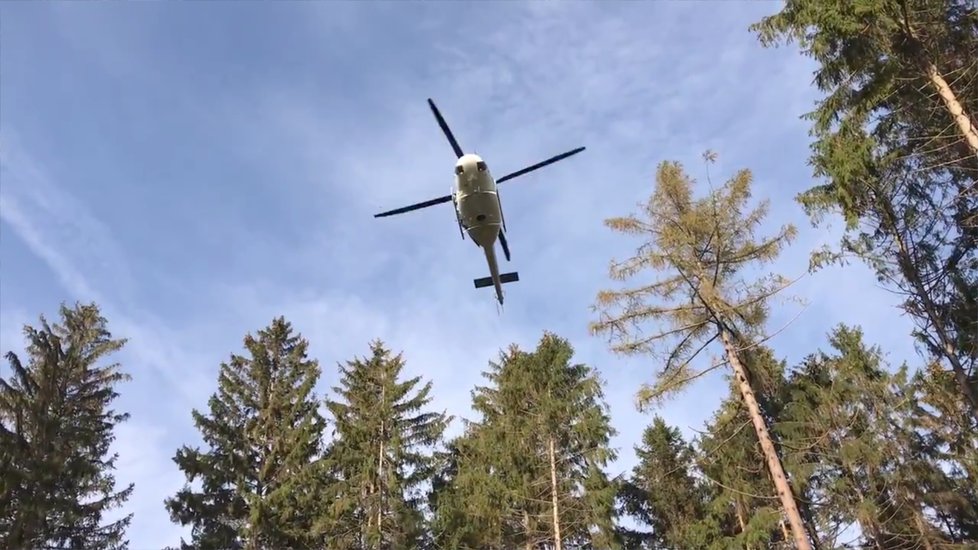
{"type": "Point", "coordinates": [381, 456]}
{"type": "Point", "coordinates": [741, 508]}
{"type": "Point", "coordinates": [853, 432]}
{"type": "Point", "coordinates": [941, 449]}
{"type": "Point", "coordinates": [530, 472]}
{"type": "Point", "coordinates": [263, 435]}
{"type": "Point", "coordinates": [663, 492]}
{"type": "Point", "coordinates": [897, 142]}
{"type": "Point", "coordinates": [703, 246]}
{"type": "Point", "coordinates": [56, 428]}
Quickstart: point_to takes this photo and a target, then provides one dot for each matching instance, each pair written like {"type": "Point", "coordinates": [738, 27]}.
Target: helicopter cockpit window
{"type": "Point", "coordinates": [459, 169]}
{"type": "Point", "coordinates": [481, 165]}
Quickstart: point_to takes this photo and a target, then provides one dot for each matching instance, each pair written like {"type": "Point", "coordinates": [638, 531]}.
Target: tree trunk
{"type": "Point", "coordinates": [773, 461]}
{"type": "Point", "coordinates": [380, 495]}
{"type": "Point", "coordinates": [931, 312]}
{"type": "Point", "coordinates": [553, 495]}
{"type": "Point", "coordinates": [968, 130]}
{"type": "Point", "coordinates": [380, 471]}
{"type": "Point", "coordinates": [738, 511]}
{"type": "Point", "coordinates": [957, 111]}
{"type": "Point", "coordinates": [526, 529]}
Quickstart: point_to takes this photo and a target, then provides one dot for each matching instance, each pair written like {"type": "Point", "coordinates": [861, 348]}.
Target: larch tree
{"type": "Point", "coordinates": [897, 143]}
{"type": "Point", "coordinates": [263, 436]}
{"type": "Point", "coordinates": [381, 457]}
{"type": "Point", "coordinates": [530, 472]}
{"type": "Point", "coordinates": [702, 247]}
{"type": "Point", "coordinates": [56, 429]}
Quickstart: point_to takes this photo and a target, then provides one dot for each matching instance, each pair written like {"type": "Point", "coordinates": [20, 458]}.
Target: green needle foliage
{"type": "Point", "coordinates": [56, 428]}
{"type": "Point", "coordinates": [530, 473]}
{"type": "Point", "coordinates": [897, 143]}
{"type": "Point", "coordinates": [662, 492]}
{"type": "Point", "coordinates": [263, 433]}
{"type": "Point", "coordinates": [381, 456]}
{"type": "Point", "coordinates": [842, 427]}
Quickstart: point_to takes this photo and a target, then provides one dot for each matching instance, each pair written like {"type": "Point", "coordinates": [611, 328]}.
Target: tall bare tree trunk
{"type": "Point", "coordinates": [553, 494]}
{"type": "Point", "coordinates": [380, 473]}
{"type": "Point", "coordinates": [926, 62]}
{"type": "Point", "coordinates": [957, 111]}
{"type": "Point", "coordinates": [773, 461]}
{"type": "Point", "coordinates": [380, 496]}
{"type": "Point", "coordinates": [526, 528]}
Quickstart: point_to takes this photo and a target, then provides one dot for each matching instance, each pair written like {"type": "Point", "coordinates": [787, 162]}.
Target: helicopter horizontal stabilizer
{"type": "Point", "coordinates": [503, 278]}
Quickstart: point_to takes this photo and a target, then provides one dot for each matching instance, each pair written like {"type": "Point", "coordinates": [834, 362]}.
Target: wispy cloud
{"type": "Point", "coordinates": [246, 163]}
{"type": "Point", "coordinates": [81, 252]}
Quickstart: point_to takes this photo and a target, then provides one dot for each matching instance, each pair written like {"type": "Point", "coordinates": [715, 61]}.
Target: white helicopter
{"type": "Point", "coordinates": [477, 208]}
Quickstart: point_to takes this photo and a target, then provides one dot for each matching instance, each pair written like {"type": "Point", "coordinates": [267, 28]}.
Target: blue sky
{"type": "Point", "coordinates": [199, 168]}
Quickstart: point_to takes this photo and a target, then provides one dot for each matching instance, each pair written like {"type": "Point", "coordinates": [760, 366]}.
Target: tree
{"type": "Point", "coordinates": [941, 442]}
{"type": "Point", "coordinates": [263, 433]}
{"type": "Point", "coordinates": [874, 48]}
{"type": "Point", "coordinates": [703, 246]}
{"type": "Point", "coordinates": [844, 426]}
{"type": "Point", "coordinates": [897, 142]}
{"type": "Point", "coordinates": [380, 457]}
{"type": "Point", "coordinates": [663, 492]}
{"type": "Point", "coordinates": [56, 428]}
{"type": "Point", "coordinates": [529, 473]}
{"type": "Point", "coordinates": [741, 506]}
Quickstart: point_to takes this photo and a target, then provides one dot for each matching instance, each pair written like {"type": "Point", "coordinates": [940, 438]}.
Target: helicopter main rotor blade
{"type": "Point", "coordinates": [539, 165]}
{"type": "Point", "coordinates": [445, 128]}
{"type": "Point", "coordinates": [417, 206]}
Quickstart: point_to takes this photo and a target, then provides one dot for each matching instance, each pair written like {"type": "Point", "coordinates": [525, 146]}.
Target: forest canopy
{"type": "Point", "coordinates": [839, 450]}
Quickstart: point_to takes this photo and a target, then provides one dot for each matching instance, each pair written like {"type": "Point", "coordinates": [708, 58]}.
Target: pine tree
{"type": "Point", "coordinates": [381, 456]}
{"type": "Point", "coordinates": [896, 139]}
{"type": "Point", "coordinates": [529, 473]}
{"type": "Point", "coordinates": [263, 434]}
{"type": "Point", "coordinates": [56, 428]}
{"type": "Point", "coordinates": [703, 246]}
{"type": "Point", "coordinates": [742, 510]}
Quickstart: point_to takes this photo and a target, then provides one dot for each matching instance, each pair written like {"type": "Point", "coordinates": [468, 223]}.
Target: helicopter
{"type": "Point", "coordinates": [478, 210]}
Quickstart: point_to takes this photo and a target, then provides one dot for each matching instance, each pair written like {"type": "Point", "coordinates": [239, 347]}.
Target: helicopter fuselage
{"type": "Point", "coordinates": [476, 201]}
{"type": "Point", "coordinates": [479, 212]}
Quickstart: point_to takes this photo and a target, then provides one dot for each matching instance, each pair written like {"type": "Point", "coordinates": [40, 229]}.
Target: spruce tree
{"type": "Point", "coordinates": [897, 143]}
{"type": "Point", "coordinates": [848, 424]}
{"type": "Point", "coordinates": [263, 436]}
{"type": "Point", "coordinates": [741, 508]}
{"type": "Point", "coordinates": [702, 247]}
{"type": "Point", "coordinates": [56, 428]}
{"type": "Point", "coordinates": [663, 492]}
{"type": "Point", "coordinates": [530, 472]}
{"type": "Point", "coordinates": [381, 457]}
{"type": "Point", "coordinates": [941, 442]}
